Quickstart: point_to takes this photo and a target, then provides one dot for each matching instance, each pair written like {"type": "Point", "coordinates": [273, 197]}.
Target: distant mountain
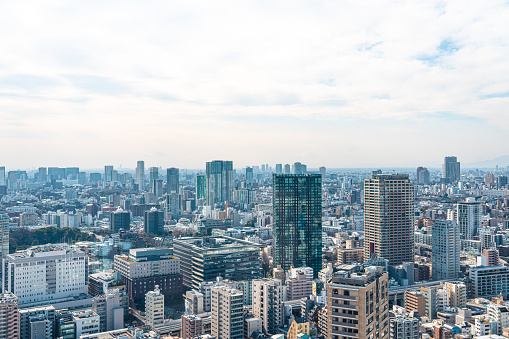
{"type": "Point", "coordinates": [502, 161]}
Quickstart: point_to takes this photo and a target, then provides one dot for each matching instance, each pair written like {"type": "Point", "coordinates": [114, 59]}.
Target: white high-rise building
{"type": "Point", "coordinates": [227, 320]}
{"type": "Point", "coordinates": [4, 241]}
{"type": "Point", "coordinates": [267, 303]}
{"type": "Point", "coordinates": [140, 175]}
{"type": "Point", "coordinates": [445, 250]}
{"type": "Point", "coordinates": [46, 273]}
{"type": "Point", "coordinates": [154, 307]}
{"type": "Point", "coordinates": [468, 217]}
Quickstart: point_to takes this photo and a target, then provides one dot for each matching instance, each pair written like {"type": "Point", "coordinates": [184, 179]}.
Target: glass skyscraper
{"type": "Point", "coordinates": [201, 187]}
{"type": "Point", "coordinates": [219, 181]}
{"type": "Point", "coordinates": [298, 221]}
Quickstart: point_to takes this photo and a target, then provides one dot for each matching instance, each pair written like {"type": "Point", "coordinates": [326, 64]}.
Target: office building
{"type": "Point", "coordinates": [9, 316]}
{"type": "Point", "coordinates": [192, 326]}
{"type": "Point", "coordinates": [204, 259]}
{"type": "Point", "coordinates": [85, 322]}
{"type": "Point", "coordinates": [109, 308]}
{"type": "Point", "coordinates": [422, 176]}
{"type": "Point", "coordinates": [388, 218]}
{"type": "Point", "coordinates": [157, 188]}
{"type": "Point", "coordinates": [201, 187]}
{"type": "Point", "coordinates": [358, 304]}
{"type": "Point", "coordinates": [468, 217]}
{"type": "Point", "coordinates": [445, 250]}
{"type": "Point", "coordinates": [227, 307]}
{"type": "Point", "coordinates": [154, 221]}
{"type": "Point", "coordinates": [37, 322]}
{"type": "Point", "coordinates": [299, 168]}
{"type": "Point", "coordinates": [279, 168]}
{"type": "Point", "coordinates": [249, 174]}
{"type": "Point", "coordinates": [153, 176]}
{"type": "Point", "coordinates": [2, 176]}
{"type": "Point", "coordinates": [43, 175]}
{"type": "Point", "coordinates": [154, 307]}
{"type": "Point", "coordinates": [108, 173]}
{"type": "Point", "coordinates": [144, 268]}
{"type": "Point", "coordinates": [287, 169]}
{"type": "Point", "coordinates": [489, 281]}
{"type": "Point", "coordinates": [140, 175]}
{"type": "Point", "coordinates": [120, 219]}
{"type": "Point", "coordinates": [267, 303]}
{"type": "Point", "coordinates": [45, 273]}
{"type": "Point", "coordinates": [172, 180]}
{"type": "Point", "coordinates": [404, 327]}
{"type": "Point", "coordinates": [451, 170]}
{"type": "Point", "coordinates": [297, 229]}
{"type": "Point", "coordinates": [219, 181]}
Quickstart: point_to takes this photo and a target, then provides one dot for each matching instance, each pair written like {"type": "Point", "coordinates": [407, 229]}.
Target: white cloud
{"type": "Point", "coordinates": [323, 82]}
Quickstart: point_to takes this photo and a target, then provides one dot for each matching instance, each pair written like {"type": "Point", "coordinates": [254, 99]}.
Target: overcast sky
{"type": "Point", "coordinates": [178, 83]}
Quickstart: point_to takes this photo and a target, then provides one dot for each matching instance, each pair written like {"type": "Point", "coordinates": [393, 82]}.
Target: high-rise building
{"type": "Point", "coordinates": [388, 218]}
{"type": "Point", "coordinates": [298, 221]}
{"type": "Point", "coordinates": [109, 308]}
{"type": "Point", "coordinates": [157, 188]}
{"type": "Point", "coordinates": [154, 221]}
{"type": "Point", "coordinates": [492, 257]}
{"type": "Point", "coordinates": [422, 176]}
{"type": "Point", "coordinates": [219, 181]}
{"type": "Point", "coordinates": [489, 281]}
{"type": "Point", "coordinates": [468, 217]}
{"type": "Point", "coordinates": [172, 180]}
{"type": "Point", "coordinates": [229, 258]}
{"type": "Point", "coordinates": [154, 307]}
{"type": "Point", "coordinates": [37, 322]}
{"type": "Point", "coordinates": [2, 176]}
{"type": "Point", "coordinates": [322, 171]}
{"type": "Point", "coordinates": [153, 176]}
{"type": "Point", "coordinates": [457, 292]}
{"type": "Point", "coordinates": [279, 168]}
{"type": "Point", "coordinates": [249, 174]}
{"type": "Point", "coordinates": [227, 307]}
{"type": "Point", "coordinates": [299, 168]}
{"type": "Point", "coordinates": [201, 187]}
{"type": "Point", "coordinates": [501, 181]}
{"type": "Point", "coordinates": [4, 240]}
{"type": "Point", "coordinates": [192, 326]}
{"type": "Point", "coordinates": [287, 169]}
{"type": "Point", "coordinates": [451, 170]}
{"type": "Point", "coordinates": [358, 304]}
{"type": "Point", "coordinates": [9, 316]}
{"type": "Point", "coordinates": [120, 219]}
{"type": "Point", "coordinates": [44, 273]}
{"type": "Point", "coordinates": [140, 175]}
{"type": "Point", "coordinates": [445, 249]}
{"type": "Point", "coordinates": [43, 175]}
{"type": "Point", "coordinates": [267, 303]}
{"type": "Point", "coordinates": [415, 301]}
{"type": "Point", "coordinates": [108, 173]}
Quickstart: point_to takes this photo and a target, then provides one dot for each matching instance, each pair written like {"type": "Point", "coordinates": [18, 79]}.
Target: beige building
{"type": "Point", "coordinates": [227, 307]}
{"type": "Point", "coordinates": [267, 303]}
{"type": "Point", "coordinates": [154, 307]}
{"type": "Point", "coordinates": [457, 291]}
{"type": "Point", "coordinates": [415, 301]}
{"type": "Point", "coordinates": [296, 328]}
{"type": "Point", "coordinates": [389, 218]}
{"type": "Point", "coordinates": [9, 316]}
{"type": "Point", "coordinates": [358, 304]}
{"type": "Point", "coordinates": [347, 256]}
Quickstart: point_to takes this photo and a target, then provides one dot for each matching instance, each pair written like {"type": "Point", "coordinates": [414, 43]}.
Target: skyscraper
{"type": "Point", "coordinates": [120, 219]}
{"type": "Point", "coordinates": [43, 175]}
{"type": "Point", "coordinates": [219, 181]}
{"type": "Point", "coordinates": [279, 168]}
{"type": "Point", "coordinates": [445, 250]}
{"type": "Point", "coordinates": [267, 303]}
{"type": "Point", "coordinates": [249, 174]}
{"type": "Point", "coordinates": [322, 171]}
{"type": "Point", "coordinates": [4, 239]}
{"type": "Point", "coordinates": [468, 217]}
{"type": "Point", "coordinates": [172, 180]}
{"type": "Point", "coordinates": [299, 168]}
{"type": "Point", "coordinates": [287, 169]}
{"type": "Point", "coordinates": [201, 187]}
{"type": "Point", "coordinates": [388, 218]}
{"type": "Point", "coordinates": [422, 176]}
{"type": "Point", "coordinates": [154, 221]}
{"type": "Point", "coordinates": [140, 175]}
{"type": "Point", "coordinates": [451, 170]}
{"type": "Point", "coordinates": [108, 173]}
{"type": "Point", "coordinates": [298, 221]}
{"type": "Point", "coordinates": [2, 176]}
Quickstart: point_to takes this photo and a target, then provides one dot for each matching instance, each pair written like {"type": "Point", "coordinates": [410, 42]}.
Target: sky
{"type": "Point", "coordinates": [327, 83]}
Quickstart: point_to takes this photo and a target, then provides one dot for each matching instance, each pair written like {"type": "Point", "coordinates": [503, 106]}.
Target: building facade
{"type": "Point", "coordinates": [445, 250]}
{"type": "Point", "coordinates": [227, 318]}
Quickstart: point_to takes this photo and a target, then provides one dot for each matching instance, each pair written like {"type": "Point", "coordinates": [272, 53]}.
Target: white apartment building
{"type": "Point", "coordinates": [86, 322]}
{"type": "Point", "coordinates": [154, 307]}
{"type": "Point", "coordinates": [468, 217]}
{"type": "Point", "coordinates": [46, 273]}
{"type": "Point", "coordinates": [227, 320]}
{"type": "Point", "coordinates": [267, 303]}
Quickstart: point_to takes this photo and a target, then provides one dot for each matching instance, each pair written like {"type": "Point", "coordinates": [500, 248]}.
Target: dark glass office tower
{"type": "Point", "coordinates": [172, 180]}
{"type": "Point", "coordinates": [201, 187]}
{"type": "Point", "coordinates": [298, 221]}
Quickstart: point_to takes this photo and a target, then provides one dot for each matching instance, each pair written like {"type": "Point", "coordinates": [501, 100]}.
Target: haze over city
{"type": "Point", "coordinates": [341, 84]}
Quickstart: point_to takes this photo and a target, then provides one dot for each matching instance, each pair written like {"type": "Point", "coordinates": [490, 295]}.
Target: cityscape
{"type": "Point", "coordinates": [265, 251]}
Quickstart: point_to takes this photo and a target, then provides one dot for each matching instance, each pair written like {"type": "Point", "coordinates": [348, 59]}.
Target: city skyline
{"type": "Point", "coordinates": [325, 83]}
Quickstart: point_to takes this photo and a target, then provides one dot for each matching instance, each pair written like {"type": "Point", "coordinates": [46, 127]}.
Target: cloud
{"type": "Point", "coordinates": [234, 77]}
